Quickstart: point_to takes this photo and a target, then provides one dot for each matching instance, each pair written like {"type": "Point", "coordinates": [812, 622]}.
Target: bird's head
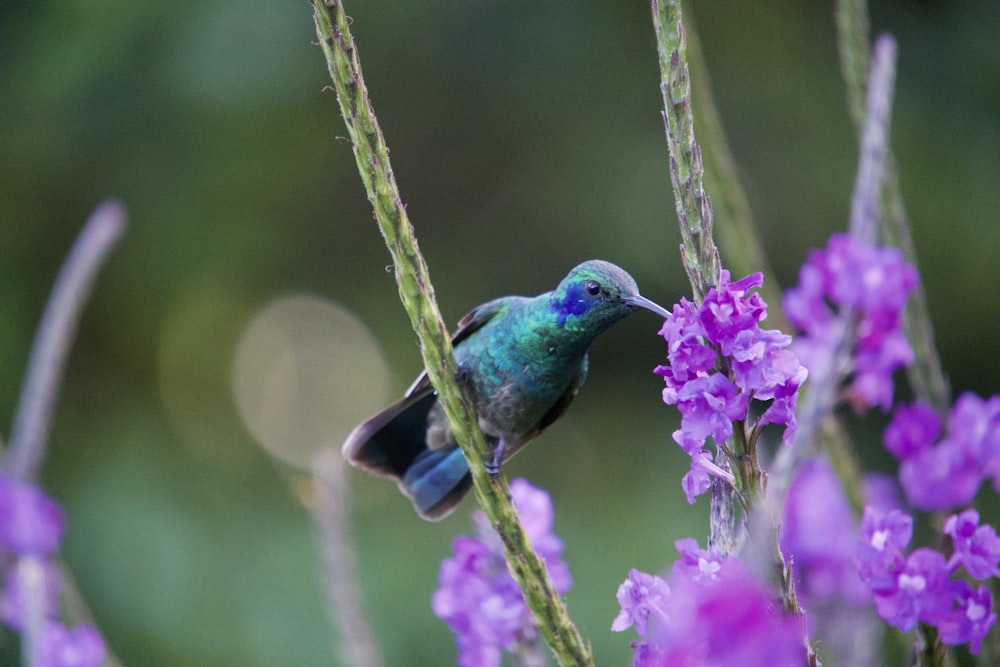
{"type": "Point", "coordinates": [595, 295]}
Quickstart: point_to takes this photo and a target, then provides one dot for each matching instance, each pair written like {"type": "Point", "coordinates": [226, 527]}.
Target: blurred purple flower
{"type": "Point", "coordinates": [80, 646]}
{"type": "Point", "coordinates": [14, 604]}
{"type": "Point", "coordinates": [873, 283]}
{"type": "Point", "coordinates": [976, 547]}
{"type": "Point", "coordinates": [817, 533]}
{"type": "Point", "coordinates": [477, 595]}
{"type": "Point", "coordinates": [947, 474]}
{"type": "Point", "coordinates": [31, 523]}
{"type": "Point", "coordinates": [913, 429]}
{"type": "Point", "coordinates": [725, 619]}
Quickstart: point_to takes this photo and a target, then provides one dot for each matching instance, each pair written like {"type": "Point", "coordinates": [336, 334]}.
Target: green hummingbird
{"type": "Point", "coordinates": [521, 361]}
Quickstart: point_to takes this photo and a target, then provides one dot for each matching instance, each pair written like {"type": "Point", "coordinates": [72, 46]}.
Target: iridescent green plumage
{"type": "Point", "coordinates": [521, 361]}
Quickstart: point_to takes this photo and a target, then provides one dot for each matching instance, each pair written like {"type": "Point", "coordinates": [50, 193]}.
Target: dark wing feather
{"type": "Point", "coordinates": [388, 443]}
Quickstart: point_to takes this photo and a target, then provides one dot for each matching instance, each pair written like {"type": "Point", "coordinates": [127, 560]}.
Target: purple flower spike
{"type": "Point", "coordinates": [873, 283]}
{"type": "Point", "coordinates": [976, 547]}
{"type": "Point", "coordinates": [31, 523]}
{"type": "Point", "coordinates": [477, 595]}
{"type": "Point", "coordinates": [719, 359]}
{"type": "Point", "coordinates": [81, 646]}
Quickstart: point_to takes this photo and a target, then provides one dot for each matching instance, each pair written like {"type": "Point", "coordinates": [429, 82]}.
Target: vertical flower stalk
{"type": "Point", "coordinates": [699, 255]}
{"type": "Point", "coordinates": [330, 507]}
{"type": "Point", "coordinates": [33, 420]}
{"type": "Point", "coordinates": [694, 209]}
{"type": "Point", "coordinates": [417, 295]}
{"type": "Point", "coordinates": [31, 523]}
{"type": "Point", "coordinates": [926, 375]}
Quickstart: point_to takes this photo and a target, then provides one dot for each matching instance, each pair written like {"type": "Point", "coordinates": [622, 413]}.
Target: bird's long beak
{"type": "Point", "coordinates": [640, 301]}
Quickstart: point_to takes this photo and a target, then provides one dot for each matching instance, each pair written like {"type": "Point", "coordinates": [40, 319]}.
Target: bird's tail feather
{"type": "Point", "coordinates": [393, 444]}
{"type": "Point", "coordinates": [437, 481]}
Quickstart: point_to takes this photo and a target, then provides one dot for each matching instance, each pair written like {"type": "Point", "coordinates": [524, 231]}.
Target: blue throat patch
{"type": "Point", "coordinates": [575, 303]}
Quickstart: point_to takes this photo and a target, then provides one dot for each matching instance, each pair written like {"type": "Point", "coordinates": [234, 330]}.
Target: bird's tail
{"type": "Point", "coordinates": [393, 444]}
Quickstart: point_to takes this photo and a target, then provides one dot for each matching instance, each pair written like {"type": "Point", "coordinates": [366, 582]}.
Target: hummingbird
{"type": "Point", "coordinates": [521, 361]}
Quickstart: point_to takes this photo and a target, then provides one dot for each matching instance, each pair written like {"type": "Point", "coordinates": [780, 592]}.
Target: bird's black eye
{"type": "Point", "coordinates": [593, 287]}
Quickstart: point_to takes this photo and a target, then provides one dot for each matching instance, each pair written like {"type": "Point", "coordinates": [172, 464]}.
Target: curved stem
{"type": "Point", "coordinates": [33, 419]}
{"type": "Point", "coordinates": [417, 296]}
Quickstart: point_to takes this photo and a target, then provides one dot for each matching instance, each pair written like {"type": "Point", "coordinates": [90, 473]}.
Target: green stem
{"type": "Point", "coordinates": [417, 296]}
{"type": "Point", "coordinates": [699, 254]}
{"type": "Point", "coordinates": [694, 209]}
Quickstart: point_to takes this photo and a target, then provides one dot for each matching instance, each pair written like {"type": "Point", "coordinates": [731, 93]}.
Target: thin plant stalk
{"type": "Point", "coordinates": [699, 254]}
{"type": "Point", "coordinates": [417, 295]}
{"type": "Point", "coordinates": [330, 506]}
{"type": "Point", "coordinates": [926, 374]}
{"type": "Point", "coordinates": [33, 419]}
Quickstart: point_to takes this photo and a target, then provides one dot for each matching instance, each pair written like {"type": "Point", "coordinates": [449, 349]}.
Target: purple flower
{"type": "Point", "coordinates": [817, 533]}
{"type": "Point", "coordinates": [879, 553]}
{"type": "Point", "coordinates": [478, 597]}
{"type": "Point", "coordinates": [696, 563]}
{"type": "Point", "coordinates": [725, 313]}
{"type": "Point", "coordinates": [718, 360]}
{"type": "Point", "coordinates": [708, 406]}
{"type": "Point", "coordinates": [31, 523]}
{"type": "Point", "coordinates": [940, 477]}
{"type": "Point", "coordinates": [976, 547]}
{"type": "Point", "coordinates": [698, 479]}
{"type": "Point", "coordinates": [872, 283]}
{"type": "Point", "coordinates": [970, 617]}
{"type": "Point", "coordinates": [81, 646]}
{"type": "Point", "coordinates": [912, 429]}
{"type": "Point", "coordinates": [726, 619]}
{"type": "Point", "coordinates": [948, 474]}
{"type": "Point", "coordinates": [919, 591]}
{"type": "Point", "coordinates": [640, 596]}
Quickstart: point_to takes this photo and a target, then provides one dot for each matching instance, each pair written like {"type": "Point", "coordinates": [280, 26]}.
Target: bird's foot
{"type": "Point", "coordinates": [493, 466]}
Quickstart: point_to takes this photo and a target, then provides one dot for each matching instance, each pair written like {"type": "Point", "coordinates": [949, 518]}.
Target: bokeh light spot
{"type": "Point", "coordinates": [306, 372]}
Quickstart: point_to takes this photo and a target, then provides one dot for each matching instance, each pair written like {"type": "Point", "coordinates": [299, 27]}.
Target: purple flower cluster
{"type": "Point", "coordinates": [31, 527]}
{"type": "Point", "coordinates": [946, 473]}
{"type": "Point", "coordinates": [869, 285]}
{"type": "Point", "coordinates": [479, 598]}
{"type": "Point", "coordinates": [719, 359]}
{"type": "Point", "coordinates": [713, 612]}
{"type": "Point", "coordinates": [920, 587]}
{"type": "Point", "coordinates": [817, 533]}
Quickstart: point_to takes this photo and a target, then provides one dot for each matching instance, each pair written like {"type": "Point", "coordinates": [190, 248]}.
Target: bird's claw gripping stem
{"type": "Point", "coordinates": [493, 465]}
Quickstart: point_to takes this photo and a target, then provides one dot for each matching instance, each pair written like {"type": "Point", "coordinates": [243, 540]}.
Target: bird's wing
{"type": "Point", "coordinates": [560, 406]}
{"type": "Point", "coordinates": [472, 322]}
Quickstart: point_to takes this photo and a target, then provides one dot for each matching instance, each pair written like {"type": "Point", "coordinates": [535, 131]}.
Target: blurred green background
{"type": "Point", "coordinates": [525, 138]}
